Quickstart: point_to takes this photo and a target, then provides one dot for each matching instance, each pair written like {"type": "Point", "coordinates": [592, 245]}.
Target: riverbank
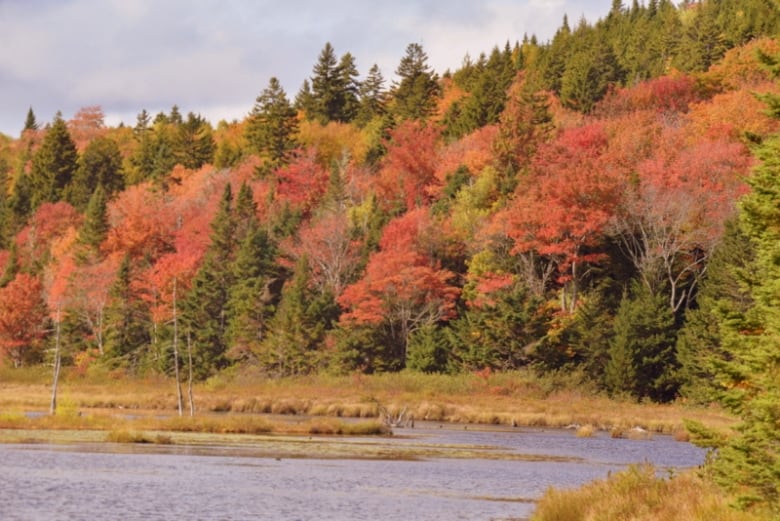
{"type": "Point", "coordinates": [513, 399]}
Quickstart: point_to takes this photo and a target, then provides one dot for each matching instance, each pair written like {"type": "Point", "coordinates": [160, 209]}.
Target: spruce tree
{"type": "Point", "coordinates": [142, 160]}
{"type": "Point", "coordinates": [99, 165]}
{"type": "Point", "coordinates": [54, 164]}
{"type": "Point", "coordinates": [95, 227]}
{"type": "Point", "coordinates": [272, 127]}
{"type": "Point", "coordinates": [30, 122]}
{"type": "Point", "coordinates": [373, 97]}
{"type": "Point", "coordinates": [642, 360]}
{"type": "Point", "coordinates": [193, 143]}
{"type": "Point", "coordinates": [415, 95]}
{"type": "Point", "coordinates": [205, 309]}
{"type": "Point", "coordinates": [126, 322]}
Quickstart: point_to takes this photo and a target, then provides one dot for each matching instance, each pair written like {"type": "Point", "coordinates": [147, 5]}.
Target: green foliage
{"type": "Point", "coordinates": [428, 350]}
{"type": "Point", "coordinates": [641, 355]}
{"type": "Point", "coordinates": [272, 126]}
{"type": "Point", "coordinates": [193, 142]}
{"type": "Point", "coordinates": [54, 165]}
{"type": "Point", "coordinates": [95, 227]}
{"type": "Point", "coordinates": [99, 165]}
{"type": "Point", "coordinates": [415, 95]}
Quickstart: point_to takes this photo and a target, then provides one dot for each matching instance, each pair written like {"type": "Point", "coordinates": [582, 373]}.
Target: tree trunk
{"type": "Point", "coordinates": [189, 376]}
{"type": "Point", "coordinates": [57, 365]}
{"type": "Point", "coordinates": [179, 397]}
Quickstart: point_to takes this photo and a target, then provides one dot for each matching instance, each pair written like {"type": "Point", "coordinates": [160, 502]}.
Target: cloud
{"type": "Point", "coordinates": [211, 55]}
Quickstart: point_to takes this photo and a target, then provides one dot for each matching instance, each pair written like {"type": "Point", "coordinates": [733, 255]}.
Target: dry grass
{"type": "Point", "coordinates": [639, 495]}
{"type": "Point", "coordinates": [518, 398]}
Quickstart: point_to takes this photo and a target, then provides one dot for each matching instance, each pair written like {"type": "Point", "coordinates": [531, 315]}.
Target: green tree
{"type": "Point", "coordinates": [126, 322]}
{"type": "Point", "coordinates": [142, 159]}
{"type": "Point", "coordinates": [416, 93]}
{"type": "Point", "coordinates": [54, 164]}
{"type": "Point", "coordinates": [99, 165]}
{"type": "Point", "coordinates": [298, 328]}
{"type": "Point", "coordinates": [30, 122]}
{"type": "Point", "coordinates": [642, 358]}
{"type": "Point", "coordinates": [373, 97]}
{"type": "Point", "coordinates": [193, 142]}
{"type": "Point", "coordinates": [273, 126]}
{"type": "Point", "coordinates": [205, 308]}
{"type": "Point", "coordinates": [95, 227]}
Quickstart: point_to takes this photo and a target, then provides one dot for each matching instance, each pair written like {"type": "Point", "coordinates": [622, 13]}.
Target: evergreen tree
{"type": "Point", "coordinates": [325, 87]}
{"type": "Point", "coordinates": [350, 88]}
{"type": "Point", "coordinates": [142, 160]}
{"type": "Point", "coordinates": [642, 359]}
{"type": "Point", "coordinates": [193, 142]}
{"type": "Point", "coordinates": [273, 126]}
{"type": "Point", "coordinates": [126, 322]}
{"type": "Point", "coordinates": [99, 165]}
{"type": "Point", "coordinates": [252, 298]}
{"type": "Point", "coordinates": [373, 97]}
{"type": "Point", "coordinates": [30, 122]}
{"type": "Point", "coordinates": [205, 309]}
{"type": "Point", "coordinates": [95, 227]}
{"type": "Point", "coordinates": [54, 164]}
{"type": "Point", "coordinates": [415, 96]}
{"type": "Point", "coordinates": [304, 100]}
{"type": "Point", "coordinates": [298, 328]}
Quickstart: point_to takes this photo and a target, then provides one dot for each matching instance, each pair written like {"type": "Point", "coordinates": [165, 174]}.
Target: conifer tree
{"type": "Point", "coordinates": [99, 165]}
{"type": "Point", "coordinates": [142, 160]}
{"type": "Point", "coordinates": [205, 309]}
{"type": "Point", "coordinates": [373, 97]}
{"type": "Point", "coordinates": [30, 122]}
{"type": "Point", "coordinates": [126, 322]}
{"type": "Point", "coordinates": [273, 126]}
{"type": "Point", "coordinates": [642, 357]}
{"type": "Point", "coordinates": [193, 142]}
{"type": "Point", "coordinates": [53, 165]}
{"type": "Point", "coordinates": [416, 93]}
{"type": "Point", "coordinates": [95, 227]}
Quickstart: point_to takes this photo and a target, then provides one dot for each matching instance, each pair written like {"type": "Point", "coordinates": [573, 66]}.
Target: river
{"type": "Point", "coordinates": [449, 473]}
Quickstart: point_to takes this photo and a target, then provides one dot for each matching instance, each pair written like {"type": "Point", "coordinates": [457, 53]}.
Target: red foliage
{"type": "Point", "coordinates": [50, 221]}
{"type": "Point", "coordinates": [402, 283]}
{"type": "Point", "coordinates": [303, 182]}
{"type": "Point", "coordinates": [22, 316]}
{"type": "Point", "coordinates": [86, 125]}
{"type": "Point", "coordinates": [408, 172]}
{"type": "Point", "coordinates": [474, 151]}
{"type": "Point", "coordinates": [672, 93]}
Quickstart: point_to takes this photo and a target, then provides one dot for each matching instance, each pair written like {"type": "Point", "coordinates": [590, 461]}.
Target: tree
{"type": "Point", "coordinates": [30, 123]}
{"type": "Point", "coordinates": [99, 165]}
{"type": "Point", "coordinates": [272, 126]}
{"type": "Point", "coordinates": [22, 319]}
{"type": "Point", "coordinates": [193, 142]}
{"type": "Point", "coordinates": [642, 359]}
{"type": "Point", "coordinates": [95, 228]}
{"type": "Point", "coordinates": [415, 94]}
{"type": "Point", "coordinates": [372, 95]}
{"type": "Point", "coordinates": [142, 159]}
{"type": "Point", "coordinates": [126, 321]}
{"type": "Point", "coordinates": [54, 164]}
{"type": "Point", "coordinates": [403, 288]}
{"type": "Point", "coordinates": [205, 309]}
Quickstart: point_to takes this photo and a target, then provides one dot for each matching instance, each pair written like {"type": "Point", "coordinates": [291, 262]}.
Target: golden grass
{"type": "Point", "coordinates": [639, 495]}
{"type": "Point", "coordinates": [517, 398]}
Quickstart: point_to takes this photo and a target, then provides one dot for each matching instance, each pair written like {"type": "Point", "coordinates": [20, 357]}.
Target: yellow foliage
{"type": "Point", "coordinates": [334, 141]}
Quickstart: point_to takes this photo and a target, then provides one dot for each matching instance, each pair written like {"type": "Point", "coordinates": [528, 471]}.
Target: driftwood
{"type": "Point", "coordinates": [401, 420]}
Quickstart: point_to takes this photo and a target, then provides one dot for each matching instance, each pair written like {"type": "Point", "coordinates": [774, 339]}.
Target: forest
{"type": "Point", "coordinates": [606, 203]}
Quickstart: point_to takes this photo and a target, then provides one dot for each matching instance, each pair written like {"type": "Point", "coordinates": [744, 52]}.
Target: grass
{"type": "Point", "coordinates": [517, 398]}
{"type": "Point", "coordinates": [639, 494]}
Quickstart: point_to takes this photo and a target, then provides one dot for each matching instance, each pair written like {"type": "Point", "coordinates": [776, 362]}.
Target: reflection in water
{"type": "Point", "coordinates": [45, 482]}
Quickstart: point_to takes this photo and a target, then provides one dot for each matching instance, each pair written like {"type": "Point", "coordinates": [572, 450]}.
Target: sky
{"type": "Point", "coordinates": [213, 57]}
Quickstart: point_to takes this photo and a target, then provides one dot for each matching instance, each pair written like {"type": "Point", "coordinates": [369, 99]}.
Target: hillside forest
{"type": "Point", "coordinates": [606, 203]}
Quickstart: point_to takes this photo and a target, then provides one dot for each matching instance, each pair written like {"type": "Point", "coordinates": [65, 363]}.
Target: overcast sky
{"type": "Point", "coordinates": [213, 57]}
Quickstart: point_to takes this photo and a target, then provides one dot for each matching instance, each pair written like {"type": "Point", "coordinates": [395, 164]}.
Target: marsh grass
{"type": "Point", "coordinates": [639, 494]}
{"type": "Point", "coordinates": [515, 398]}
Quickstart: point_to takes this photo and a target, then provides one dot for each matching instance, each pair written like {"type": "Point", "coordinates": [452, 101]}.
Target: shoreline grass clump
{"type": "Point", "coordinates": [639, 494]}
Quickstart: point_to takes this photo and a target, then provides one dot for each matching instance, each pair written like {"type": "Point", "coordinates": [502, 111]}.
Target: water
{"type": "Point", "coordinates": [131, 482]}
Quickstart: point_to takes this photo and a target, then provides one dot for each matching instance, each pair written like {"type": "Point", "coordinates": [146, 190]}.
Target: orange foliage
{"type": "Point", "coordinates": [303, 182]}
{"type": "Point", "coordinates": [141, 223]}
{"type": "Point", "coordinates": [474, 151]}
{"type": "Point", "coordinates": [22, 316]}
{"type": "Point", "coordinates": [451, 94]}
{"type": "Point", "coordinates": [740, 67]}
{"type": "Point", "coordinates": [408, 172]}
{"type": "Point", "coordinates": [86, 125]}
{"type": "Point", "coordinates": [732, 114]}
{"type": "Point", "coordinates": [50, 221]}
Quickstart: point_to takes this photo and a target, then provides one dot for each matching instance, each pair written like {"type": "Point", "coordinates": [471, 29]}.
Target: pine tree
{"type": "Point", "coordinates": [349, 88]}
{"type": "Point", "coordinates": [325, 87]}
{"type": "Point", "coordinates": [415, 95]}
{"type": "Point", "coordinates": [205, 309]}
{"type": "Point", "coordinates": [30, 122]}
{"type": "Point", "coordinates": [99, 165]}
{"type": "Point", "coordinates": [126, 322]}
{"type": "Point", "coordinates": [642, 357]}
{"type": "Point", "coordinates": [142, 160]}
{"type": "Point", "coordinates": [373, 97]}
{"type": "Point", "coordinates": [54, 164]}
{"type": "Point", "coordinates": [193, 142]}
{"type": "Point", "coordinates": [273, 126]}
{"type": "Point", "coordinates": [95, 227]}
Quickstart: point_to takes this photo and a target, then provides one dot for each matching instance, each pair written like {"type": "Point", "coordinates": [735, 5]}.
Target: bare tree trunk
{"type": "Point", "coordinates": [57, 365]}
{"type": "Point", "coordinates": [189, 376]}
{"type": "Point", "coordinates": [179, 397]}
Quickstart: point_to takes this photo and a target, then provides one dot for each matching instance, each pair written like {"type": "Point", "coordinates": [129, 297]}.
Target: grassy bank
{"type": "Point", "coordinates": [519, 398]}
{"type": "Point", "coordinates": [639, 494]}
